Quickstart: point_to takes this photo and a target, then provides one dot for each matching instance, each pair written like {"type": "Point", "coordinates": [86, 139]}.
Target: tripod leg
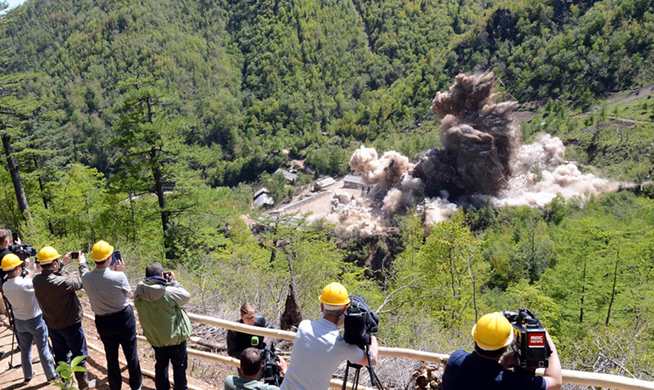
{"type": "Point", "coordinates": [378, 385]}
{"type": "Point", "coordinates": [347, 369]}
{"type": "Point", "coordinates": [355, 382]}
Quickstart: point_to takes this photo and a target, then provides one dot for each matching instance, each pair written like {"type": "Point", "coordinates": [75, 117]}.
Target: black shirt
{"type": "Point", "coordinates": [237, 342]}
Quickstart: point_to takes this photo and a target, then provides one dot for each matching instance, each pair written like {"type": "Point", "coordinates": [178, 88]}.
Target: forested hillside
{"type": "Point", "coordinates": [150, 124]}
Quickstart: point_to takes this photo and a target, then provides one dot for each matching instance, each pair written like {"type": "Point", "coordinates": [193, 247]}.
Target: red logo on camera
{"type": "Point", "coordinates": [537, 339]}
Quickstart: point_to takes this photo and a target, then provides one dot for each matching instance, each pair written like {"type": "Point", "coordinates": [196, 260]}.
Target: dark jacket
{"type": "Point", "coordinates": [237, 342]}
{"type": "Point", "coordinates": [3, 275]}
{"type": "Point", "coordinates": [55, 292]}
{"type": "Point", "coordinates": [159, 304]}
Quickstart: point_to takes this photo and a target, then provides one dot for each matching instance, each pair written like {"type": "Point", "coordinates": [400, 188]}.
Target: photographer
{"type": "Point", "coordinates": [107, 288]}
{"type": "Point", "coordinates": [159, 299]}
{"type": "Point", "coordinates": [29, 324]}
{"type": "Point", "coordinates": [55, 291]}
{"type": "Point", "coordinates": [251, 367]}
{"type": "Point", "coordinates": [493, 334]}
{"type": "Point", "coordinates": [5, 243]}
{"type": "Point", "coordinates": [319, 348]}
{"type": "Point", "coordinates": [237, 342]}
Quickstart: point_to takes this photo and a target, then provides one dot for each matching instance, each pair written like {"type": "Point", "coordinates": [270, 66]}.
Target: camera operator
{"type": "Point", "coordinates": [107, 288]}
{"type": "Point", "coordinates": [493, 333]}
{"type": "Point", "coordinates": [159, 299]}
{"type": "Point", "coordinates": [319, 348]}
{"type": "Point", "coordinates": [29, 324]}
{"type": "Point", "coordinates": [5, 243]}
{"type": "Point", "coordinates": [55, 290]}
{"type": "Point", "coordinates": [237, 342]}
{"type": "Point", "coordinates": [251, 367]}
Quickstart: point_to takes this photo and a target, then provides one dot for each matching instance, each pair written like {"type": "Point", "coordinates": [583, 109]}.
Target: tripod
{"type": "Point", "coordinates": [357, 370]}
{"type": "Point", "coordinates": [12, 326]}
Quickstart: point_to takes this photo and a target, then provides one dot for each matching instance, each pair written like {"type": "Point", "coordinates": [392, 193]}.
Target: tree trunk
{"type": "Point", "coordinates": [159, 190]}
{"type": "Point", "coordinates": [15, 177]}
{"type": "Point", "coordinates": [292, 312]}
{"type": "Point", "coordinates": [43, 196]}
{"type": "Point", "coordinates": [583, 292]}
{"type": "Point", "coordinates": [615, 279]}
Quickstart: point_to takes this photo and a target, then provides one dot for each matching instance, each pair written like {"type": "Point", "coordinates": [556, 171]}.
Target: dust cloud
{"type": "Point", "coordinates": [482, 161]}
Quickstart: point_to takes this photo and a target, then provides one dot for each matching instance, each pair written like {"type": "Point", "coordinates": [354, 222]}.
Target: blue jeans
{"type": "Point", "coordinates": [176, 354]}
{"type": "Point", "coordinates": [34, 330]}
{"type": "Point", "coordinates": [70, 339]}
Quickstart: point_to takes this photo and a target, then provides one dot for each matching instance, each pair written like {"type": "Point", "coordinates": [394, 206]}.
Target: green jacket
{"type": "Point", "coordinates": [159, 304]}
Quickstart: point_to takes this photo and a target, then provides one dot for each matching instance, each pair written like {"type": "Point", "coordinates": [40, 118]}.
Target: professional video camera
{"type": "Point", "coordinates": [270, 368]}
{"type": "Point", "coordinates": [530, 342]}
{"type": "Point", "coordinates": [269, 361]}
{"type": "Point", "coordinates": [360, 322]}
{"type": "Point", "coordinates": [23, 251]}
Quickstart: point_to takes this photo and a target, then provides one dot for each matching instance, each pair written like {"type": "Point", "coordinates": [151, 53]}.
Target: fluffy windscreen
{"type": "Point", "coordinates": [482, 161]}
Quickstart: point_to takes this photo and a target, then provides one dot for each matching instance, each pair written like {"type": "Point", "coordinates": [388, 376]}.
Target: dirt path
{"type": "Point", "coordinates": [199, 373]}
{"type": "Point", "coordinates": [630, 97]}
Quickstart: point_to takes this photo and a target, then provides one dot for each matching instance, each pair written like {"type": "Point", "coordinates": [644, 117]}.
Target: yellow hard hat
{"type": "Point", "coordinates": [492, 331]}
{"type": "Point", "coordinates": [48, 254]}
{"type": "Point", "coordinates": [334, 294]}
{"type": "Point", "coordinates": [101, 250]}
{"type": "Point", "coordinates": [10, 261]}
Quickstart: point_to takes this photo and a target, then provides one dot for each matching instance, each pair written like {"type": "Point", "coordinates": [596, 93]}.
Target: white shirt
{"type": "Point", "coordinates": [318, 350]}
{"type": "Point", "coordinates": [20, 292]}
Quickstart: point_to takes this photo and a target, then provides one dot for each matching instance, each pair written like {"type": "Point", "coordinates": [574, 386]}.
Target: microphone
{"type": "Point", "coordinates": [254, 341]}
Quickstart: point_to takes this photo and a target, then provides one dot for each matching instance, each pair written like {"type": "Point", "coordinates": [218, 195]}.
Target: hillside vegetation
{"type": "Point", "coordinates": [149, 124]}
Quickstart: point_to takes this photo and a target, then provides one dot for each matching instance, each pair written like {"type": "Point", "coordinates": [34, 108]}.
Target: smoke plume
{"type": "Point", "coordinates": [482, 161]}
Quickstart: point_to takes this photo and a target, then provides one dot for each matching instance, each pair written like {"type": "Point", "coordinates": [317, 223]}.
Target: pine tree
{"type": "Point", "coordinates": [15, 109]}
{"type": "Point", "coordinates": [147, 137]}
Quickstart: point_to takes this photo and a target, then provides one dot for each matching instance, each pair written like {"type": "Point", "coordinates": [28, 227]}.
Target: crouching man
{"type": "Point", "coordinates": [251, 370]}
{"type": "Point", "coordinates": [159, 299]}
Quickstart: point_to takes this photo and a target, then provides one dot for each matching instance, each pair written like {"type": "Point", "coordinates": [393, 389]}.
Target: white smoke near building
{"type": "Point", "coordinates": [482, 161]}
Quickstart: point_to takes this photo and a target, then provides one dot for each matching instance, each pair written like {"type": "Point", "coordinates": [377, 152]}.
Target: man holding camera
{"type": "Point", "coordinates": [159, 299]}
{"type": "Point", "coordinates": [237, 342]}
{"type": "Point", "coordinates": [29, 324]}
{"type": "Point", "coordinates": [251, 366]}
{"type": "Point", "coordinates": [55, 291]}
{"type": "Point", "coordinates": [319, 348]}
{"type": "Point", "coordinates": [493, 334]}
{"type": "Point", "coordinates": [107, 288]}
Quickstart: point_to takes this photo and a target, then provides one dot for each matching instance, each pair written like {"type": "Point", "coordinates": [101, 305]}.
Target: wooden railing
{"type": "Point", "coordinates": [569, 376]}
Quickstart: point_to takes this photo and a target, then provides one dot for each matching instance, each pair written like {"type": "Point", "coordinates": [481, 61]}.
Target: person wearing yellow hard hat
{"type": "Point", "coordinates": [483, 368]}
{"type": "Point", "coordinates": [319, 348]}
{"type": "Point", "coordinates": [55, 290]}
{"type": "Point", "coordinates": [107, 288]}
{"type": "Point", "coordinates": [28, 320]}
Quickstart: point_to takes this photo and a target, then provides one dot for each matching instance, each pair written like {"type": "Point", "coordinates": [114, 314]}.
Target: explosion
{"type": "Point", "coordinates": [482, 161]}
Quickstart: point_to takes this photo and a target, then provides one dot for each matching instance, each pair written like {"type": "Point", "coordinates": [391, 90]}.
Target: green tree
{"type": "Point", "coordinates": [447, 272]}
{"type": "Point", "coordinates": [15, 109]}
{"type": "Point", "coordinates": [147, 137]}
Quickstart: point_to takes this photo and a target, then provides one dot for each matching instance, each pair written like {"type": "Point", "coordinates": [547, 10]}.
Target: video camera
{"type": "Point", "coordinates": [530, 340]}
{"type": "Point", "coordinates": [269, 359]}
{"type": "Point", "coordinates": [23, 251]}
{"type": "Point", "coordinates": [360, 322]}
